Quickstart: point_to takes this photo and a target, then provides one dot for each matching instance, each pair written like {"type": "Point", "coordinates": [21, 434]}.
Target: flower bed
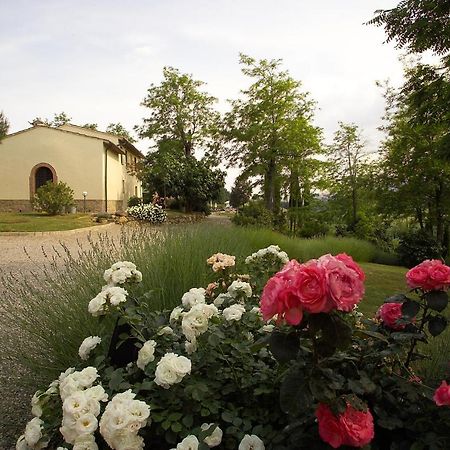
{"type": "Point", "coordinates": [277, 357]}
{"type": "Point", "coordinates": [147, 213]}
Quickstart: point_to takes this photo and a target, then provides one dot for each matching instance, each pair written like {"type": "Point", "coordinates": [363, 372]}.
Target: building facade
{"type": "Point", "coordinates": [100, 165]}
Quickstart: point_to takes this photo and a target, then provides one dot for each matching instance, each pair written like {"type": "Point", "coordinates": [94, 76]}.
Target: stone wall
{"type": "Point", "coordinates": [91, 206]}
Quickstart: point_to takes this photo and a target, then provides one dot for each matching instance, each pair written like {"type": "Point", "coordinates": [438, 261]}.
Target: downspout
{"type": "Point", "coordinates": [106, 178]}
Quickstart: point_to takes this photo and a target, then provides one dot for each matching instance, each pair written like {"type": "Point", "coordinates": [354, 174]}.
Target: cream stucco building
{"type": "Point", "coordinates": [103, 165]}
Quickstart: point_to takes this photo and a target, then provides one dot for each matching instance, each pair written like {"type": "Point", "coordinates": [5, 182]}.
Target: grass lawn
{"type": "Point", "coordinates": [381, 282]}
{"type": "Point", "coordinates": [11, 222]}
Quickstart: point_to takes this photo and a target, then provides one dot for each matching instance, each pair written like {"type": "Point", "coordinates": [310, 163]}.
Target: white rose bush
{"type": "Point", "coordinates": [148, 212]}
{"type": "Point", "coordinates": [271, 354]}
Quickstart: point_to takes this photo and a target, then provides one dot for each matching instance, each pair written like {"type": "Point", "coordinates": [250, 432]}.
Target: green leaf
{"type": "Point", "coordinates": [436, 325]}
{"type": "Point", "coordinates": [373, 334]}
{"type": "Point", "coordinates": [295, 395]}
{"type": "Point", "coordinates": [397, 298]}
{"type": "Point", "coordinates": [188, 421]}
{"type": "Point", "coordinates": [284, 347]}
{"type": "Point", "coordinates": [227, 416]}
{"type": "Point", "coordinates": [213, 340]}
{"type": "Point", "coordinates": [410, 308]}
{"type": "Point", "coordinates": [437, 300]}
{"type": "Point", "coordinates": [176, 427]}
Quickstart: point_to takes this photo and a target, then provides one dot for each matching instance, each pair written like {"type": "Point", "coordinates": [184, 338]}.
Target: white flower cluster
{"type": "Point", "coordinates": [220, 261]}
{"type": "Point", "coordinates": [270, 253]}
{"type": "Point", "coordinates": [146, 354]}
{"type": "Point", "coordinates": [122, 272]}
{"type": "Point", "coordinates": [87, 346]}
{"type": "Point", "coordinates": [123, 418]}
{"type": "Point", "coordinates": [171, 369]}
{"type": "Point", "coordinates": [81, 407]}
{"type": "Point", "coordinates": [240, 288]}
{"type": "Point", "coordinates": [32, 438]}
{"type": "Point", "coordinates": [193, 297]}
{"type": "Point", "coordinates": [148, 212]}
{"type": "Point", "coordinates": [233, 312]}
{"type": "Point", "coordinates": [195, 321]}
{"type": "Point", "coordinates": [110, 295]}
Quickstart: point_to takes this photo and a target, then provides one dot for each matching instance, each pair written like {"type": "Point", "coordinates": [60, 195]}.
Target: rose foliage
{"type": "Point", "coordinates": [271, 354]}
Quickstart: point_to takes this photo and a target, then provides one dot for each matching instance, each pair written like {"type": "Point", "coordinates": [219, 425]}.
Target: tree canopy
{"type": "Point", "coordinates": [179, 110]}
{"type": "Point", "coordinates": [269, 129]}
{"type": "Point", "coordinates": [417, 25]}
{"type": "Point", "coordinates": [4, 125]}
{"type": "Point", "coordinates": [119, 130]}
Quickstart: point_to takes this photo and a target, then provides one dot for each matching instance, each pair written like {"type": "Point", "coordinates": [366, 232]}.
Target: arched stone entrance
{"type": "Point", "coordinates": [40, 174]}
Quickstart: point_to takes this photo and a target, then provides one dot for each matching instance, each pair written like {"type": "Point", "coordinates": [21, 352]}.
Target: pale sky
{"type": "Point", "coordinates": [96, 59]}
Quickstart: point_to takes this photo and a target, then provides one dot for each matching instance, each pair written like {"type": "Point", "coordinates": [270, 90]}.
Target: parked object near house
{"type": "Point", "coordinates": [103, 165]}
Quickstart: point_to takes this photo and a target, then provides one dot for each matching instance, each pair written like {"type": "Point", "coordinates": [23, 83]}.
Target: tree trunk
{"type": "Point", "coordinates": [269, 186]}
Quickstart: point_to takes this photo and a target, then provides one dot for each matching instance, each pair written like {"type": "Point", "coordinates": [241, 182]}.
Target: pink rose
{"type": "Point", "coordinates": [345, 287]}
{"type": "Point", "coordinates": [439, 275]}
{"type": "Point", "coordinates": [390, 313]}
{"type": "Point", "coordinates": [352, 427]}
{"type": "Point", "coordinates": [358, 426]}
{"type": "Point", "coordinates": [442, 394]}
{"type": "Point", "coordinates": [348, 261]}
{"type": "Point", "coordinates": [329, 426]}
{"type": "Point", "coordinates": [429, 275]}
{"type": "Point", "coordinates": [279, 298]}
{"type": "Point", "coordinates": [311, 285]}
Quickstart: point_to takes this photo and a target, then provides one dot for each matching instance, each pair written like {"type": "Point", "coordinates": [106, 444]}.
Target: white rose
{"type": "Point", "coordinates": [165, 330]}
{"type": "Point", "coordinates": [146, 354]}
{"type": "Point", "coordinates": [194, 323]}
{"type": "Point", "coordinates": [191, 346]}
{"type": "Point", "coordinates": [96, 306]}
{"type": "Point", "coordinates": [120, 276]}
{"type": "Point", "coordinates": [171, 369]}
{"type": "Point", "coordinates": [175, 314]}
{"type": "Point", "coordinates": [137, 276]}
{"type": "Point", "coordinates": [255, 310]}
{"type": "Point", "coordinates": [193, 297]}
{"type": "Point", "coordinates": [139, 410]}
{"type": "Point", "coordinates": [268, 328]}
{"type": "Point", "coordinates": [86, 424]}
{"type": "Point", "coordinates": [88, 345]}
{"type": "Point", "coordinates": [85, 442]}
{"type": "Point", "coordinates": [238, 287]}
{"type": "Point", "coordinates": [75, 403]}
{"type": "Point", "coordinates": [21, 443]}
{"type": "Point", "coordinates": [188, 443]}
{"type": "Point", "coordinates": [233, 312]}
{"type": "Point", "coordinates": [96, 393]}
{"type": "Point", "coordinates": [215, 438]}
{"type": "Point", "coordinates": [64, 375]}
{"type": "Point", "coordinates": [87, 376]}
{"type": "Point", "coordinates": [116, 295]}
{"type": "Point", "coordinates": [221, 298]}
{"type": "Point", "coordinates": [252, 442]}
{"type": "Point", "coordinates": [36, 408]}
{"type": "Point", "coordinates": [33, 431]}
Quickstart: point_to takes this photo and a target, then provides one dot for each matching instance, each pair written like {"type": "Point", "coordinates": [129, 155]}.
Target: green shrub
{"type": "Point", "coordinates": [417, 245]}
{"type": "Point", "coordinates": [255, 214]}
{"type": "Point", "coordinates": [134, 201]}
{"type": "Point", "coordinates": [53, 197]}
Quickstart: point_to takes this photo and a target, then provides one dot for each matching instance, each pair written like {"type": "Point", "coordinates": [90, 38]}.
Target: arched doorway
{"type": "Point", "coordinates": [43, 174]}
{"type": "Point", "coordinates": [40, 174]}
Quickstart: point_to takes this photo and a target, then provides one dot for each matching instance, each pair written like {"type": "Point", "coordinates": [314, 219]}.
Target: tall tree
{"type": "Point", "coordinates": [241, 192]}
{"type": "Point", "coordinates": [269, 125]}
{"type": "Point", "coordinates": [119, 130]}
{"type": "Point", "coordinates": [347, 159]}
{"type": "Point", "coordinates": [417, 25]}
{"type": "Point", "coordinates": [4, 125]}
{"type": "Point", "coordinates": [180, 111]}
{"type": "Point", "coordinates": [415, 167]}
{"type": "Point", "coordinates": [91, 126]}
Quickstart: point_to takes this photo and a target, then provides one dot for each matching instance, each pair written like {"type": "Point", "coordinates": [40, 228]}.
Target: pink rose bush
{"type": "Point", "coordinates": [352, 427]}
{"type": "Point", "coordinates": [442, 395]}
{"type": "Point", "coordinates": [430, 275]}
{"type": "Point", "coordinates": [320, 285]}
